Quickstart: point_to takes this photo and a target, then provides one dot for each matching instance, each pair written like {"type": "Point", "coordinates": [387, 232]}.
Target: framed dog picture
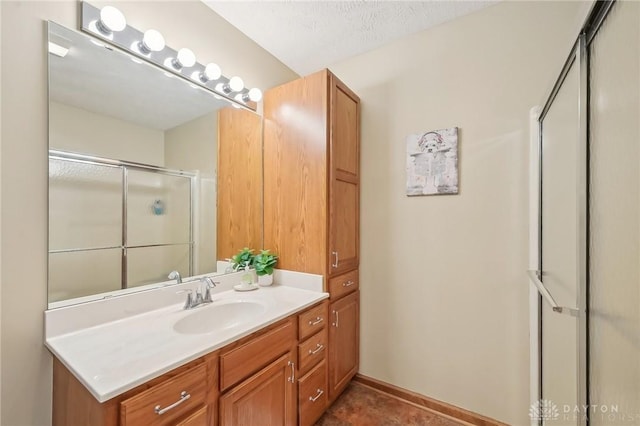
{"type": "Point", "coordinates": [432, 162]}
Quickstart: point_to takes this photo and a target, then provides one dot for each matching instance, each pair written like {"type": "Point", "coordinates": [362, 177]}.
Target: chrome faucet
{"type": "Point", "coordinates": [207, 285]}
{"type": "Point", "coordinates": [175, 275]}
{"type": "Point", "coordinates": [203, 294]}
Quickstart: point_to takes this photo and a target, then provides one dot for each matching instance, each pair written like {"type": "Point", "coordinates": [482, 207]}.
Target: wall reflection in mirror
{"type": "Point", "coordinates": [132, 170]}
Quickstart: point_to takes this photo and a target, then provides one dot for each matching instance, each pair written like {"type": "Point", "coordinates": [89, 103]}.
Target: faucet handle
{"type": "Point", "coordinates": [175, 275]}
{"type": "Point", "coordinates": [208, 284]}
{"type": "Point", "coordinates": [189, 303]}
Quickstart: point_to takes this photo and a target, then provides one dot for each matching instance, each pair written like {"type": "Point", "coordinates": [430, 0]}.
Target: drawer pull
{"type": "Point", "coordinates": [319, 347]}
{"type": "Point", "coordinates": [183, 397]}
{"type": "Point", "coordinates": [292, 379]}
{"type": "Point", "coordinates": [348, 283]}
{"type": "Point", "coordinates": [317, 321]}
{"type": "Point", "coordinates": [318, 395]}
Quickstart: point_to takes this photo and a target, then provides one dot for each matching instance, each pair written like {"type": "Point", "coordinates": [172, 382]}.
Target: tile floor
{"type": "Point", "coordinates": [361, 405]}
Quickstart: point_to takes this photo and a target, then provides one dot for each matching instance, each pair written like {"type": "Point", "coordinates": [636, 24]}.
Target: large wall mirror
{"type": "Point", "coordinates": [134, 190]}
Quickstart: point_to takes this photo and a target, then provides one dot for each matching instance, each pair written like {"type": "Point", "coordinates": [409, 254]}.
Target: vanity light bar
{"type": "Point", "coordinates": [109, 24]}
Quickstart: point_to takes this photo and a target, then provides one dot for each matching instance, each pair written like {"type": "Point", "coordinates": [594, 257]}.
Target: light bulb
{"type": "Point", "coordinates": [211, 72]}
{"type": "Point", "coordinates": [152, 41]}
{"type": "Point", "coordinates": [255, 94]}
{"type": "Point", "coordinates": [111, 19]}
{"type": "Point", "coordinates": [185, 58]}
{"type": "Point", "coordinates": [236, 84]}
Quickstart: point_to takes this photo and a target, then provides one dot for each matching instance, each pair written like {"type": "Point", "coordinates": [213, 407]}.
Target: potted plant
{"type": "Point", "coordinates": [263, 264]}
{"type": "Point", "coordinates": [242, 259]}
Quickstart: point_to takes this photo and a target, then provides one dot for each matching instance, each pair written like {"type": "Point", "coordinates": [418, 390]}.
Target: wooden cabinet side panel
{"type": "Point", "coordinates": [74, 405]}
{"type": "Point", "coordinates": [296, 173]}
{"type": "Point", "coordinates": [344, 342]}
{"type": "Point", "coordinates": [239, 182]}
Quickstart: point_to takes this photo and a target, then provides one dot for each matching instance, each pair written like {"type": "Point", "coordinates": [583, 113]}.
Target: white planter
{"type": "Point", "coordinates": [265, 280]}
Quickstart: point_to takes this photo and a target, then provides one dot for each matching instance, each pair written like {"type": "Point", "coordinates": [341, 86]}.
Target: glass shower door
{"type": "Point", "coordinates": [590, 247]}
{"type": "Point", "coordinates": [561, 275]}
{"type": "Point", "coordinates": [85, 228]}
{"type": "Point", "coordinates": [614, 320]}
{"type": "Point", "coordinates": [158, 226]}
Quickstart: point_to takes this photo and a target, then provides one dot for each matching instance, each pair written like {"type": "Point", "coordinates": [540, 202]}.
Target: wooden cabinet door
{"type": "Point", "coordinates": [268, 398]}
{"type": "Point", "coordinates": [344, 186]}
{"type": "Point", "coordinates": [344, 342]}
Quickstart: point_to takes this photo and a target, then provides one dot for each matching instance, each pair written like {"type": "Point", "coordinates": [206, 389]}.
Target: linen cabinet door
{"type": "Point", "coordinates": [344, 342]}
{"type": "Point", "coordinates": [268, 398]}
{"type": "Point", "coordinates": [344, 190]}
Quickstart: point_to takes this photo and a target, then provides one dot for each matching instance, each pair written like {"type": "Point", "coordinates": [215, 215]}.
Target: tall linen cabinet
{"type": "Point", "coordinates": [312, 200]}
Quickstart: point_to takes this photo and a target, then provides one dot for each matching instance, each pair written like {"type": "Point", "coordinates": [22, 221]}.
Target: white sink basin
{"type": "Point", "coordinates": [219, 316]}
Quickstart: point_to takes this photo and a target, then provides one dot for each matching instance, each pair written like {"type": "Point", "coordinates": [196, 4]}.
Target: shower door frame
{"type": "Point", "coordinates": [578, 56]}
{"type": "Point", "coordinates": [125, 166]}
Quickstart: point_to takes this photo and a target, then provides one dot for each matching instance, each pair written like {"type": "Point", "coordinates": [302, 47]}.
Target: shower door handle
{"type": "Point", "coordinates": [546, 295]}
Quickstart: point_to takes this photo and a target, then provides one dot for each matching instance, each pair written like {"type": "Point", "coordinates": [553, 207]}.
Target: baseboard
{"type": "Point", "coordinates": [430, 403]}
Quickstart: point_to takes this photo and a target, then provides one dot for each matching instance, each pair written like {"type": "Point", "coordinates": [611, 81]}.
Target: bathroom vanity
{"type": "Point", "coordinates": [263, 365]}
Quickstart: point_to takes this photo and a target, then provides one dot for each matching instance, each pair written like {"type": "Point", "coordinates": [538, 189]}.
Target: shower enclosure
{"type": "Point", "coordinates": [588, 259]}
{"type": "Point", "coordinates": [116, 224]}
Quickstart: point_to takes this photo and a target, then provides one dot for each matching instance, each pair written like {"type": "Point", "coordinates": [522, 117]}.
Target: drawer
{"type": "Point", "coordinates": [343, 284]}
{"type": "Point", "coordinates": [312, 395]}
{"type": "Point", "coordinates": [312, 351]}
{"type": "Point", "coordinates": [255, 353]}
{"type": "Point", "coordinates": [312, 320]}
{"type": "Point", "coordinates": [199, 418]}
{"type": "Point", "coordinates": [165, 402]}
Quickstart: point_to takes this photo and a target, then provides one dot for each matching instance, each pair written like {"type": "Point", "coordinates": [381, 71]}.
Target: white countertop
{"type": "Point", "coordinates": [116, 356]}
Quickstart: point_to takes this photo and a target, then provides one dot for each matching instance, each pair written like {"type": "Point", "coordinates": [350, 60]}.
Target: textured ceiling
{"type": "Point", "coordinates": [311, 35]}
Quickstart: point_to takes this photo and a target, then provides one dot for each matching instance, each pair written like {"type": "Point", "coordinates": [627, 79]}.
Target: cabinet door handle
{"type": "Point", "coordinates": [292, 379]}
{"type": "Point", "coordinates": [183, 397]}
{"type": "Point", "coordinates": [319, 347]}
{"type": "Point", "coordinates": [348, 283]}
{"type": "Point", "coordinates": [335, 255]}
{"type": "Point", "coordinates": [317, 321]}
{"type": "Point", "coordinates": [318, 395]}
{"type": "Point", "coordinates": [335, 324]}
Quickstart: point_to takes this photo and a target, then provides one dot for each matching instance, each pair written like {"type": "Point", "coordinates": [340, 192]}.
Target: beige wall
{"type": "Point", "coordinates": [78, 130]}
{"type": "Point", "coordinates": [448, 317]}
{"type": "Point", "coordinates": [26, 365]}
